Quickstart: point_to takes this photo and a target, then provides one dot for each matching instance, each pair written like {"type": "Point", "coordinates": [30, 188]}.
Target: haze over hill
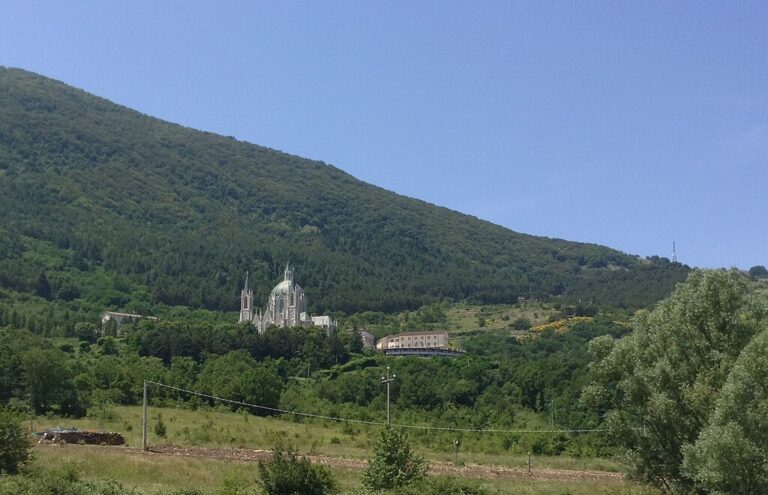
{"type": "Point", "coordinates": [173, 215]}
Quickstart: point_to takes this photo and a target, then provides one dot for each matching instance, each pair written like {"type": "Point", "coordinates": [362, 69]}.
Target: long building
{"type": "Point", "coordinates": [414, 340]}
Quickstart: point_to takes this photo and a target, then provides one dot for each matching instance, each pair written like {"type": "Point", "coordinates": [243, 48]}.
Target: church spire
{"type": "Point", "coordinates": [246, 302]}
{"type": "Point", "coordinates": [288, 272]}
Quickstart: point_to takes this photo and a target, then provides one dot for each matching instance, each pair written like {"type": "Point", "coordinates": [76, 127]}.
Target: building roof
{"type": "Point", "coordinates": [423, 332]}
{"type": "Point", "coordinates": [282, 288]}
{"type": "Point", "coordinates": [126, 315]}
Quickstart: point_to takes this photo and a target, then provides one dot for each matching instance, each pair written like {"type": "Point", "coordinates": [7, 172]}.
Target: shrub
{"type": "Point", "coordinates": [442, 486]}
{"type": "Point", "coordinates": [160, 429]}
{"type": "Point", "coordinates": [521, 324]}
{"type": "Point", "coordinates": [286, 473]}
{"type": "Point", "coordinates": [394, 464]}
{"type": "Point", "coordinates": [14, 443]}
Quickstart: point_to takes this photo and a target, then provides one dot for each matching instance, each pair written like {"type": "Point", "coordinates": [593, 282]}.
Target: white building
{"type": "Point", "coordinates": [414, 340]}
{"type": "Point", "coordinates": [121, 318]}
{"type": "Point", "coordinates": [286, 307]}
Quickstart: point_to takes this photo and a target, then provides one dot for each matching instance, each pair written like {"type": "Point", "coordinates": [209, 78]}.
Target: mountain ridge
{"type": "Point", "coordinates": [183, 213]}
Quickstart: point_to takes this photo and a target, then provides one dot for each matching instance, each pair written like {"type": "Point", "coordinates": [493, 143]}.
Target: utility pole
{"type": "Point", "coordinates": [388, 380]}
{"type": "Point", "coordinates": [144, 422]}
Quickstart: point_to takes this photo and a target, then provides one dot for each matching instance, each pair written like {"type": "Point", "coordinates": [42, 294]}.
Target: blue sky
{"type": "Point", "coordinates": [628, 124]}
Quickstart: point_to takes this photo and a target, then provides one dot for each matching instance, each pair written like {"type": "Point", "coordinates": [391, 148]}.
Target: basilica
{"type": "Point", "coordinates": [286, 307]}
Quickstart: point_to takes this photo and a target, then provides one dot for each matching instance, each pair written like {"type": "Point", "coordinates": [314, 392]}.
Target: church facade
{"type": "Point", "coordinates": [285, 308]}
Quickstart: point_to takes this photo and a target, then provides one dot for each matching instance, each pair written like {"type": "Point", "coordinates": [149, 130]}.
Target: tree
{"type": "Point", "coordinates": [658, 386]}
{"type": "Point", "coordinates": [108, 346]}
{"type": "Point", "coordinates": [85, 332]}
{"type": "Point", "coordinates": [160, 429]}
{"type": "Point", "coordinates": [729, 456]}
{"type": "Point", "coordinates": [14, 444]}
{"type": "Point", "coordinates": [521, 323]}
{"type": "Point", "coordinates": [48, 378]}
{"type": "Point", "coordinates": [394, 463]}
{"type": "Point", "coordinates": [288, 474]}
{"type": "Point", "coordinates": [43, 286]}
{"type": "Point", "coordinates": [758, 271]}
{"type": "Point", "coordinates": [237, 376]}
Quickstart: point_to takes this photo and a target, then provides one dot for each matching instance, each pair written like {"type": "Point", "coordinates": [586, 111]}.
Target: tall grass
{"type": "Point", "coordinates": [222, 428]}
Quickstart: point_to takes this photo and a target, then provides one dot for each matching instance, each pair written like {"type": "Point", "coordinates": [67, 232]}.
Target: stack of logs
{"type": "Point", "coordinates": [86, 437]}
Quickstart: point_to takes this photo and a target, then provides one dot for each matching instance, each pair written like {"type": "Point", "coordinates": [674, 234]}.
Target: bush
{"type": "Point", "coordinates": [394, 464]}
{"type": "Point", "coordinates": [14, 443]}
{"type": "Point", "coordinates": [63, 480]}
{"type": "Point", "coordinates": [521, 324]}
{"type": "Point", "coordinates": [287, 474]}
{"type": "Point", "coordinates": [160, 429]}
{"type": "Point", "coordinates": [442, 486]}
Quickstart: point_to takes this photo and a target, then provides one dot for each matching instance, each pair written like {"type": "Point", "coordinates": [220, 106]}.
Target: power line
{"type": "Point", "coordinates": [375, 423]}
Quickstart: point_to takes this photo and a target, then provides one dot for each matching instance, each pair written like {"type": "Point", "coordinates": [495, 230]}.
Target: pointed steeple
{"type": "Point", "coordinates": [288, 272]}
{"type": "Point", "coordinates": [246, 302]}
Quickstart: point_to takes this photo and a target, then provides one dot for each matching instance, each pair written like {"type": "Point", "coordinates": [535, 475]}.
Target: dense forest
{"type": "Point", "coordinates": [110, 208]}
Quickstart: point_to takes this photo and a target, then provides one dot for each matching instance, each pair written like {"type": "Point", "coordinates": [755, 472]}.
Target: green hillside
{"type": "Point", "coordinates": [102, 204]}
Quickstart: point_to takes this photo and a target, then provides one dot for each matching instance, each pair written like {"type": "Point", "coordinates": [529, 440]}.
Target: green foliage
{"type": "Point", "coordinates": [441, 486]}
{"type": "Point", "coordinates": [394, 464]}
{"type": "Point", "coordinates": [50, 382]}
{"type": "Point", "coordinates": [521, 324]}
{"type": "Point", "coordinates": [14, 443]}
{"type": "Point", "coordinates": [65, 481]}
{"type": "Point", "coordinates": [168, 339]}
{"type": "Point", "coordinates": [109, 208]}
{"type": "Point", "coordinates": [658, 386]}
{"type": "Point", "coordinates": [730, 454]}
{"type": "Point", "coordinates": [236, 376]}
{"type": "Point", "coordinates": [288, 474]}
{"type": "Point", "coordinates": [108, 345]}
{"type": "Point", "coordinates": [758, 271]}
{"type": "Point", "coordinates": [160, 428]}
{"type": "Point", "coordinates": [502, 382]}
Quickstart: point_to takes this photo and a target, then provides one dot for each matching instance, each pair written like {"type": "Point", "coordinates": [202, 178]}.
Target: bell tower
{"type": "Point", "coordinates": [246, 302]}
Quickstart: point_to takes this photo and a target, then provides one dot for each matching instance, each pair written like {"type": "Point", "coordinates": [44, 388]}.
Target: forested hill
{"type": "Point", "coordinates": [93, 193]}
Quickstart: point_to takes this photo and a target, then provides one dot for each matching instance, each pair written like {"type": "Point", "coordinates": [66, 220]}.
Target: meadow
{"type": "Point", "coordinates": [214, 429]}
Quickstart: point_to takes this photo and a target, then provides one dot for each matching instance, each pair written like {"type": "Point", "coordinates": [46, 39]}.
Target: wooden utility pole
{"type": "Point", "coordinates": [388, 380]}
{"type": "Point", "coordinates": [144, 421]}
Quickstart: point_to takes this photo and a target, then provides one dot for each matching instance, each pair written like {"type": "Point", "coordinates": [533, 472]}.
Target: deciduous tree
{"type": "Point", "coordinates": [659, 385]}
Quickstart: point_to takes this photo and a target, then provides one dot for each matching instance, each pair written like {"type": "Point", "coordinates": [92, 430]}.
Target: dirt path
{"type": "Point", "coordinates": [439, 468]}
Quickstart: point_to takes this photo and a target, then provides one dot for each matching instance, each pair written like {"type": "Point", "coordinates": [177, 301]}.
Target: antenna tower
{"type": "Point", "coordinates": [674, 253]}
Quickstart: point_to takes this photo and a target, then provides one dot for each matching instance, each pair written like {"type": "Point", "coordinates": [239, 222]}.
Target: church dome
{"type": "Point", "coordinates": [283, 287]}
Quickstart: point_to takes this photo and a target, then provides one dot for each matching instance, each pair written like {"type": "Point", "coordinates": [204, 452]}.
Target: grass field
{"type": "Point", "coordinates": [225, 429]}
{"type": "Point", "coordinates": [152, 473]}
{"type": "Point", "coordinates": [497, 318]}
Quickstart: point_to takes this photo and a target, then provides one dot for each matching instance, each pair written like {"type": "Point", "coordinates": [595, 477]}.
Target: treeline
{"type": "Point", "coordinates": [104, 205]}
{"type": "Point", "coordinates": [69, 379]}
{"type": "Point", "coordinates": [305, 346]}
